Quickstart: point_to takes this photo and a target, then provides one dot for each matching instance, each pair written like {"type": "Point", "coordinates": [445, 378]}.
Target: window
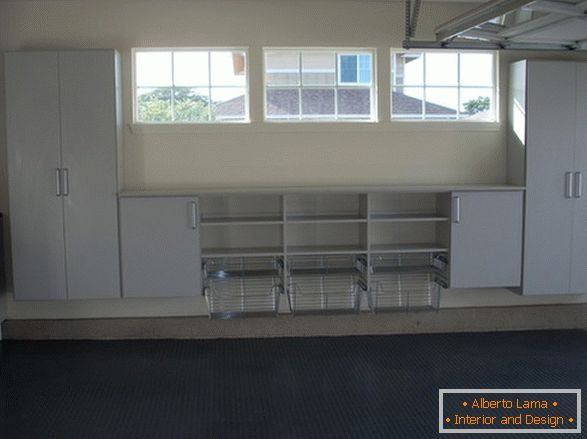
{"type": "Point", "coordinates": [443, 86]}
{"type": "Point", "coordinates": [355, 69]}
{"type": "Point", "coordinates": [190, 86]}
{"type": "Point", "coordinates": [319, 85]}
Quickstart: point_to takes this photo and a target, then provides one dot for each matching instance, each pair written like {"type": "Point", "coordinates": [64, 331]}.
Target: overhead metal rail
{"type": "Point", "coordinates": [507, 24]}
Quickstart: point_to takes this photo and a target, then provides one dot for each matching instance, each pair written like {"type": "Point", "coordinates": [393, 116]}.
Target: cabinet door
{"type": "Point", "coordinates": [486, 239]}
{"type": "Point", "coordinates": [160, 247]}
{"type": "Point", "coordinates": [89, 145]}
{"type": "Point", "coordinates": [36, 210]}
{"type": "Point", "coordinates": [579, 241]}
{"type": "Point", "coordinates": [550, 153]}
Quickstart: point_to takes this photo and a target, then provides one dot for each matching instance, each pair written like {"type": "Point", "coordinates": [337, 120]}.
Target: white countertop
{"type": "Point", "coordinates": [436, 188]}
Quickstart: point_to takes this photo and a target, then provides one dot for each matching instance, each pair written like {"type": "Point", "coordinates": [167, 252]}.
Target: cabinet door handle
{"type": "Point", "coordinates": [194, 211]}
{"type": "Point", "coordinates": [568, 185]}
{"type": "Point", "coordinates": [578, 184]}
{"type": "Point", "coordinates": [65, 182]}
{"type": "Point", "coordinates": [58, 182]}
{"type": "Point", "coordinates": [456, 209]}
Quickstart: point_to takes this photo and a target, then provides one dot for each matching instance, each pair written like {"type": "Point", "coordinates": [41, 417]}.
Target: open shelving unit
{"type": "Point", "coordinates": [326, 208]}
{"type": "Point", "coordinates": [408, 248]}
{"type": "Point", "coordinates": [243, 225]}
{"type": "Point", "coordinates": [324, 252]}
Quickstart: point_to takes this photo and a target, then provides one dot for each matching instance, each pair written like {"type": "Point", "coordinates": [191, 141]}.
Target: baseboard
{"type": "Point", "coordinates": [446, 320]}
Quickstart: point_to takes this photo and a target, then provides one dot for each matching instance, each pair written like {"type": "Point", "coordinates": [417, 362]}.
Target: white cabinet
{"type": "Point", "coordinates": [548, 132]}
{"type": "Point", "coordinates": [579, 245]}
{"type": "Point", "coordinates": [160, 247]}
{"type": "Point", "coordinates": [486, 239]}
{"type": "Point", "coordinates": [323, 250]}
{"type": "Point", "coordinates": [34, 160]}
{"type": "Point", "coordinates": [62, 132]}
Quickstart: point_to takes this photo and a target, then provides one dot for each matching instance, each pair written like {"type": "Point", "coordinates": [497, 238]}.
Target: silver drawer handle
{"type": "Point", "coordinates": [194, 207]}
{"type": "Point", "coordinates": [65, 182]}
{"type": "Point", "coordinates": [578, 184]}
{"type": "Point", "coordinates": [456, 209]}
{"type": "Point", "coordinates": [58, 182]}
{"type": "Point", "coordinates": [568, 184]}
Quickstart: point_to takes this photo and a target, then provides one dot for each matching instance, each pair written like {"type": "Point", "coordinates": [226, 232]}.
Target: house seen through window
{"type": "Point", "coordinates": [443, 86]}
{"type": "Point", "coordinates": [190, 86]}
{"type": "Point", "coordinates": [319, 85]}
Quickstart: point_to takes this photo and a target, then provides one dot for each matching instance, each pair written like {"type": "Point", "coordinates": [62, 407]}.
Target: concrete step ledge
{"type": "Point", "coordinates": [446, 320]}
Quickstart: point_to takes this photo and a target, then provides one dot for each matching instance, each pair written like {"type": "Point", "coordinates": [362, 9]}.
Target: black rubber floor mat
{"type": "Point", "coordinates": [349, 387]}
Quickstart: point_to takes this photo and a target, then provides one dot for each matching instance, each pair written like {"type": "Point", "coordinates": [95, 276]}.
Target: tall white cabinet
{"type": "Point", "coordinates": [63, 128]}
{"type": "Point", "coordinates": [548, 152]}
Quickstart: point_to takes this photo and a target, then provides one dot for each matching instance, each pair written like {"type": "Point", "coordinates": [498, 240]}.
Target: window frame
{"type": "Point", "coordinates": [424, 119]}
{"type": "Point", "coordinates": [247, 116]}
{"type": "Point", "coordinates": [319, 119]}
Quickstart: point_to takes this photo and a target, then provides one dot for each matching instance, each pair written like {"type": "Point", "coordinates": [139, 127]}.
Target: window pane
{"type": "Point", "coordinates": [365, 69]}
{"type": "Point", "coordinates": [153, 69]}
{"type": "Point", "coordinates": [477, 69]}
{"type": "Point", "coordinates": [408, 69]}
{"type": "Point", "coordinates": [312, 93]}
{"type": "Point", "coordinates": [190, 69]}
{"type": "Point", "coordinates": [154, 104]}
{"type": "Point", "coordinates": [456, 85]}
{"type": "Point", "coordinates": [476, 104]}
{"type": "Point", "coordinates": [228, 68]}
{"type": "Point", "coordinates": [354, 102]}
{"type": "Point", "coordinates": [228, 103]}
{"type": "Point", "coordinates": [407, 102]}
{"type": "Point", "coordinates": [348, 69]}
{"type": "Point", "coordinates": [441, 69]}
{"type": "Point", "coordinates": [191, 104]}
{"type": "Point", "coordinates": [318, 102]}
{"type": "Point", "coordinates": [283, 103]}
{"type": "Point", "coordinates": [318, 68]}
{"type": "Point", "coordinates": [282, 68]}
{"type": "Point", "coordinates": [441, 103]}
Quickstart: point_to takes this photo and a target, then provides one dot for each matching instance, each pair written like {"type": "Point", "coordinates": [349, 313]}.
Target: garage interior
{"type": "Point", "coordinates": [292, 219]}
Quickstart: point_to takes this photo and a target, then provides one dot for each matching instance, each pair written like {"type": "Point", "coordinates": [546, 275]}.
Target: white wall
{"type": "Point", "coordinates": [259, 154]}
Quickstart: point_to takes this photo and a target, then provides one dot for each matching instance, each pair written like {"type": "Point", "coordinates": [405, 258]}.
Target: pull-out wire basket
{"type": "Point", "coordinates": [406, 282]}
{"type": "Point", "coordinates": [326, 284]}
{"type": "Point", "coordinates": [242, 286]}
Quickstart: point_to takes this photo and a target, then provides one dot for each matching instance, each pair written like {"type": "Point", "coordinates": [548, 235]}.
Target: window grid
{"type": "Point", "coordinates": [173, 87]}
{"type": "Point", "coordinates": [336, 82]}
{"type": "Point", "coordinates": [208, 86]}
{"type": "Point", "coordinates": [336, 87]}
{"type": "Point", "coordinates": [458, 87]}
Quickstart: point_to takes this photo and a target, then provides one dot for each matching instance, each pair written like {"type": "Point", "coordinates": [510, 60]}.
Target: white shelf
{"type": "Point", "coordinates": [325, 250]}
{"type": "Point", "coordinates": [241, 221]}
{"type": "Point", "coordinates": [408, 248]}
{"type": "Point", "coordinates": [407, 217]}
{"type": "Point", "coordinates": [314, 219]}
{"type": "Point", "coordinates": [242, 251]}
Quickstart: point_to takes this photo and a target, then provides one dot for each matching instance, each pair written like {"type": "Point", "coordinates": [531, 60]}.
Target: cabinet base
{"type": "Point", "coordinates": [445, 320]}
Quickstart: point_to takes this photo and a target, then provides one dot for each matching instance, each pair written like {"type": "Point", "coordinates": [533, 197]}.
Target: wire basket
{"type": "Point", "coordinates": [326, 284]}
{"type": "Point", "coordinates": [242, 286]}
{"type": "Point", "coordinates": [406, 282]}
